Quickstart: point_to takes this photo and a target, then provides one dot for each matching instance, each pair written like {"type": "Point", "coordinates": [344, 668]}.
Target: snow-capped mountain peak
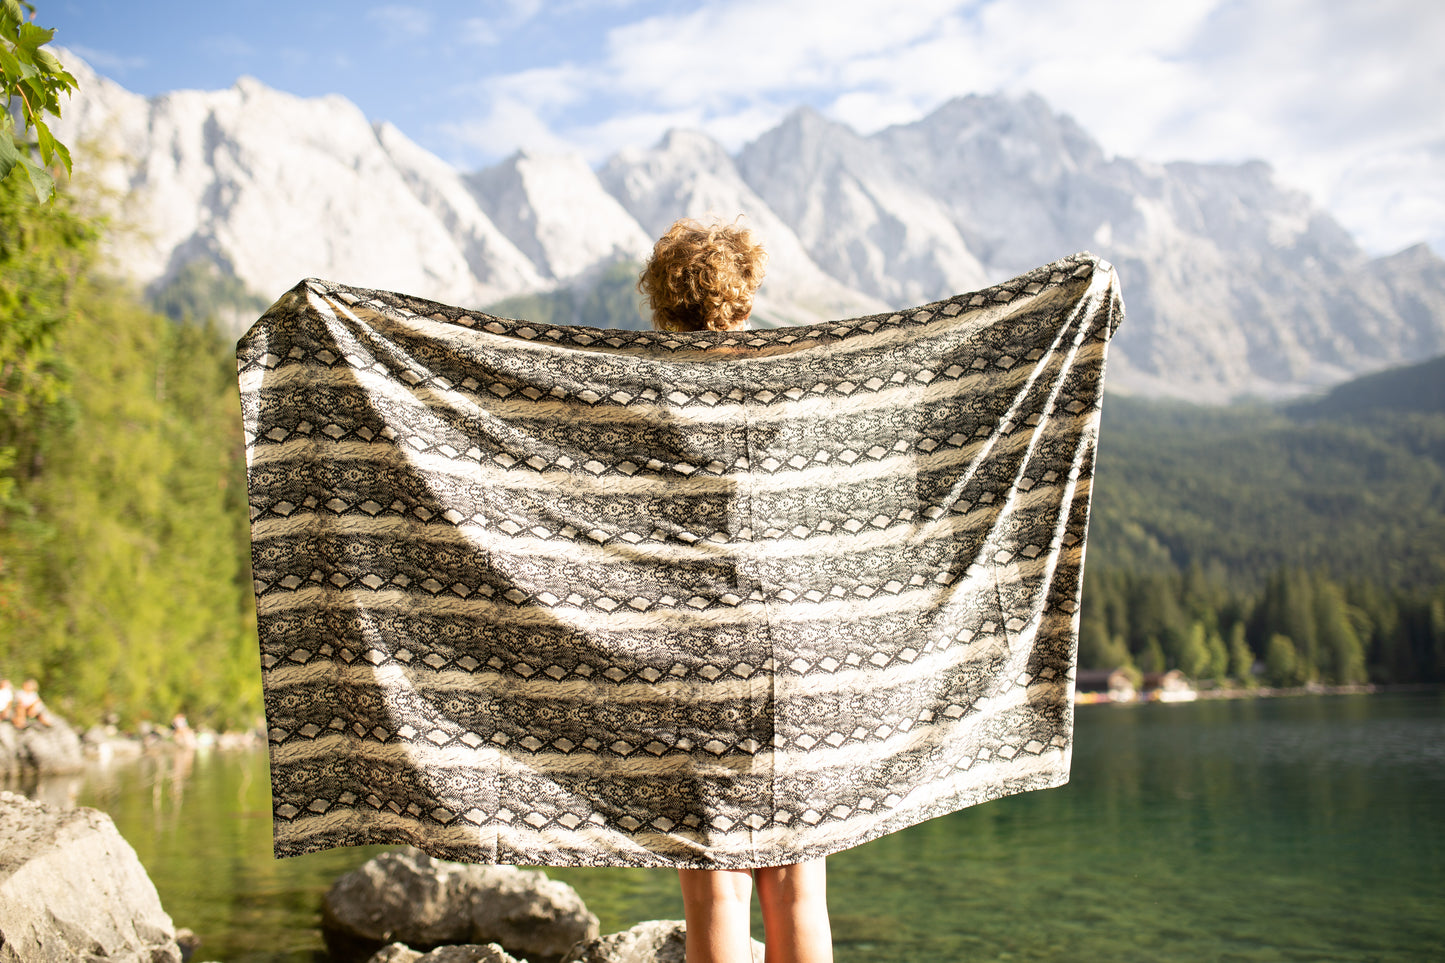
{"type": "Point", "coordinates": [1235, 283]}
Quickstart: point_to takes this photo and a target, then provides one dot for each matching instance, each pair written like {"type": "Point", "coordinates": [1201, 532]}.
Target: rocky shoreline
{"type": "Point", "coordinates": [72, 888]}
{"type": "Point", "coordinates": [54, 748]}
{"type": "Point", "coordinates": [406, 907]}
{"type": "Point", "coordinates": [38, 749]}
{"type": "Point", "coordinates": [425, 903]}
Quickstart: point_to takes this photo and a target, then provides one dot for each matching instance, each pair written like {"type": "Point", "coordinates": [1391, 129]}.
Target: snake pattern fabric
{"type": "Point", "coordinates": [537, 594]}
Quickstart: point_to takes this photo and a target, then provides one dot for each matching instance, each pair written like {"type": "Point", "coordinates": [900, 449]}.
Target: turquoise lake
{"type": "Point", "coordinates": [1307, 828]}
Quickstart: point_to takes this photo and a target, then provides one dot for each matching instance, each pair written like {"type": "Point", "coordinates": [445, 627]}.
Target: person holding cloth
{"type": "Point", "coordinates": [702, 278]}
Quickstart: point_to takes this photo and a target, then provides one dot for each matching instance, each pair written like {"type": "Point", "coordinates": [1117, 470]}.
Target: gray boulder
{"type": "Point", "coordinates": [9, 751]}
{"type": "Point", "coordinates": [43, 750]}
{"type": "Point", "coordinates": [656, 941]}
{"type": "Point", "coordinates": [71, 888]}
{"type": "Point", "coordinates": [395, 953]}
{"type": "Point", "coordinates": [104, 744]}
{"type": "Point", "coordinates": [465, 953]}
{"type": "Point", "coordinates": [425, 903]}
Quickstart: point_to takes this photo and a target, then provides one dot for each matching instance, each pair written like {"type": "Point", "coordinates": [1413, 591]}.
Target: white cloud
{"type": "Point", "coordinates": [228, 46]}
{"type": "Point", "coordinates": [112, 63]}
{"type": "Point", "coordinates": [478, 32]}
{"type": "Point", "coordinates": [402, 19]}
{"type": "Point", "coordinates": [520, 11]}
{"type": "Point", "coordinates": [603, 139]}
{"type": "Point", "coordinates": [742, 65]}
{"type": "Point", "coordinates": [1343, 99]}
{"type": "Point", "coordinates": [517, 111]}
{"type": "Point", "coordinates": [1392, 198]}
{"type": "Point", "coordinates": [752, 49]}
{"type": "Point", "coordinates": [499, 19]}
{"type": "Point", "coordinates": [869, 110]}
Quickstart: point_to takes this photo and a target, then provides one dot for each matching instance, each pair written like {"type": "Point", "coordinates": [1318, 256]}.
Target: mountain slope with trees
{"type": "Point", "coordinates": [1244, 490]}
{"type": "Point", "coordinates": [1307, 541]}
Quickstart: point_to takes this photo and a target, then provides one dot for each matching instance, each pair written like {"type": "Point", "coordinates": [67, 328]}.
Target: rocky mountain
{"type": "Point", "coordinates": [1236, 285]}
{"type": "Point", "coordinates": [199, 176]}
{"type": "Point", "coordinates": [559, 214]}
{"type": "Point", "coordinates": [863, 223]}
{"type": "Point", "coordinates": [688, 174]}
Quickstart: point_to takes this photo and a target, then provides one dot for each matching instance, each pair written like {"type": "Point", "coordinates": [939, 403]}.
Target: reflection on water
{"type": "Point", "coordinates": [1306, 829]}
{"type": "Point", "coordinates": [1287, 829]}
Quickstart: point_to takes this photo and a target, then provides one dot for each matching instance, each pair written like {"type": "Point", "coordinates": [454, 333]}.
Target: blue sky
{"type": "Point", "coordinates": [1346, 100]}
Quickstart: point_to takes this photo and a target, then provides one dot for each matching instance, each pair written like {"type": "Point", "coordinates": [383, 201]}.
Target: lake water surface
{"type": "Point", "coordinates": [1308, 828]}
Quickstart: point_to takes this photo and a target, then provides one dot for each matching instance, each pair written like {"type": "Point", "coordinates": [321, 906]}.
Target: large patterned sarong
{"type": "Point", "coordinates": [568, 596]}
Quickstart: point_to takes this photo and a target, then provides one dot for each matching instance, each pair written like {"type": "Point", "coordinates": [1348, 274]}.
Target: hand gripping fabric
{"type": "Point", "coordinates": [560, 595]}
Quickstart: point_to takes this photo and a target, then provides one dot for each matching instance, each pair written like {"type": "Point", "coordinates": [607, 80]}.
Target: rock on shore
{"type": "Point", "coordinates": [425, 903]}
{"type": "Point", "coordinates": [656, 941]}
{"type": "Point", "coordinates": [465, 953]}
{"type": "Point", "coordinates": [440, 912]}
{"type": "Point", "coordinates": [44, 750]}
{"type": "Point", "coordinates": [71, 888]}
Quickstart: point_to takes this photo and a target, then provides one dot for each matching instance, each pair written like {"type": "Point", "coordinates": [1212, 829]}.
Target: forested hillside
{"type": "Point", "coordinates": [124, 577]}
{"type": "Point", "coordinates": [1309, 538]}
{"type": "Point", "coordinates": [1358, 493]}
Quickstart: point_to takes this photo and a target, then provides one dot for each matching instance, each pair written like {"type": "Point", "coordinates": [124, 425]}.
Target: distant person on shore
{"type": "Point", "coordinates": [7, 698]}
{"type": "Point", "coordinates": [181, 732]}
{"type": "Point", "coordinates": [29, 706]}
{"type": "Point", "coordinates": [702, 278]}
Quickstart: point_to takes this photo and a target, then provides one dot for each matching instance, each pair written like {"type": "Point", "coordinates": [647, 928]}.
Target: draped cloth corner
{"type": "Point", "coordinates": [534, 594]}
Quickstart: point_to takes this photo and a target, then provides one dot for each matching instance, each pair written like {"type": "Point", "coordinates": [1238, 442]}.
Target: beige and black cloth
{"type": "Point", "coordinates": [559, 595]}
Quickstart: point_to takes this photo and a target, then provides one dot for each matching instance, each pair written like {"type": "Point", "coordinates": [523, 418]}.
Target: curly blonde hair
{"type": "Point", "coordinates": [702, 278]}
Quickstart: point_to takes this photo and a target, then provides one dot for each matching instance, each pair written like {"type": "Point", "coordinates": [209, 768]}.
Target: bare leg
{"type": "Point", "coordinates": [794, 901]}
{"type": "Point", "coordinates": [715, 902]}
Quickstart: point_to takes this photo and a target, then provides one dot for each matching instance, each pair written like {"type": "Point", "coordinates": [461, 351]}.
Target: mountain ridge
{"type": "Point", "coordinates": [1410, 388]}
{"type": "Point", "coordinates": [1236, 285]}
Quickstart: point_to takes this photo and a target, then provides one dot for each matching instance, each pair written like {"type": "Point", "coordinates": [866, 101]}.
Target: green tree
{"type": "Point", "coordinates": [43, 249]}
{"type": "Point", "coordinates": [611, 301]}
{"type": "Point", "coordinates": [614, 301]}
{"type": "Point", "coordinates": [141, 570]}
{"type": "Point", "coordinates": [1151, 658]}
{"type": "Point", "coordinates": [1288, 608]}
{"type": "Point", "coordinates": [1156, 620]}
{"type": "Point", "coordinates": [33, 81]}
{"type": "Point", "coordinates": [1282, 664]}
{"type": "Point", "coordinates": [1192, 656]}
{"type": "Point", "coordinates": [1218, 656]}
{"type": "Point", "coordinates": [1416, 646]}
{"type": "Point", "coordinates": [1341, 655]}
{"type": "Point", "coordinates": [1100, 650]}
{"type": "Point", "coordinates": [1378, 614]}
{"type": "Point", "coordinates": [201, 289]}
{"type": "Point", "coordinates": [124, 576]}
{"type": "Point", "coordinates": [1237, 493]}
{"type": "Point", "coordinates": [1241, 658]}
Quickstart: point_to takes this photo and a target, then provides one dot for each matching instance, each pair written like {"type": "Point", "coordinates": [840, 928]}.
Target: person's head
{"type": "Point", "coordinates": [702, 278]}
{"type": "Point", "coordinates": [31, 685]}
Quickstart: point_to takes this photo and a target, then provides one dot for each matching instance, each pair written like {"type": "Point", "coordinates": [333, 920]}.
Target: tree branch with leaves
{"type": "Point", "coordinates": [33, 81]}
